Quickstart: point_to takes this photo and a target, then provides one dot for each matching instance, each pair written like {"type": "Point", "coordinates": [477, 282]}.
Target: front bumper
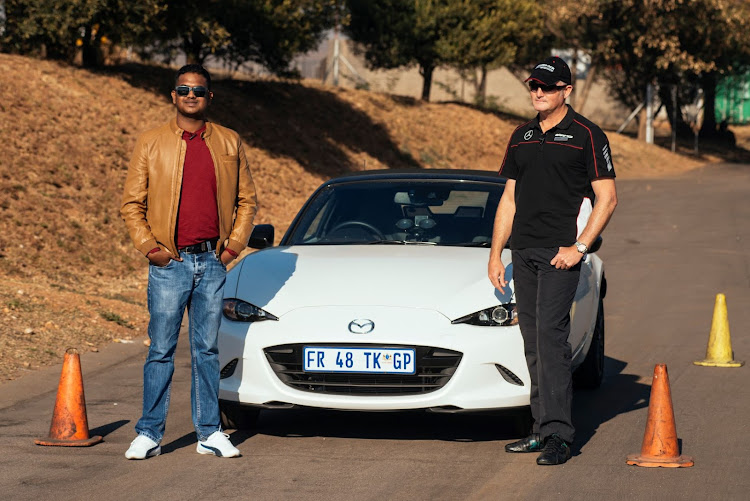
{"type": "Point", "coordinates": [490, 373]}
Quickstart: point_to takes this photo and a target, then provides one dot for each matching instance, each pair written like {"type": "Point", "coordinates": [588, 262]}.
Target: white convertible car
{"type": "Point", "coordinates": [377, 298]}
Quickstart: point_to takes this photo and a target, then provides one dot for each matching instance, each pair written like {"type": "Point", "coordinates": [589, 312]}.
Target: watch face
{"type": "Point", "coordinates": [581, 248]}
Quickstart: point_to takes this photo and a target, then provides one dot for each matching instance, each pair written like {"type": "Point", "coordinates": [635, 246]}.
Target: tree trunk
{"type": "Point", "coordinates": [584, 95]}
{"type": "Point", "coordinates": [88, 51]}
{"type": "Point", "coordinates": [192, 47]}
{"type": "Point", "coordinates": [426, 71]}
{"type": "Point", "coordinates": [481, 96]}
{"type": "Point", "coordinates": [642, 119]}
{"type": "Point", "coordinates": [573, 98]}
{"type": "Point", "coordinates": [682, 128]}
{"type": "Point", "coordinates": [193, 56]}
{"type": "Point", "coordinates": [709, 107]}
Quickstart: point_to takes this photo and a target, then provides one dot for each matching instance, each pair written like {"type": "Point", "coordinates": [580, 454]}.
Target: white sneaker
{"type": "Point", "coordinates": [142, 447]}
{"type": "Point", "coordinates": [218, 444]}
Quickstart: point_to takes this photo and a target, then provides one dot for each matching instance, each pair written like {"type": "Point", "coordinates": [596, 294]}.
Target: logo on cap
{"type": "Point", "coordinates": [547, 67]}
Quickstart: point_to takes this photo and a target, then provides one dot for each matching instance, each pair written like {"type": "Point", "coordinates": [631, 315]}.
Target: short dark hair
{"type": "Point", "coordinates": [194, 68]}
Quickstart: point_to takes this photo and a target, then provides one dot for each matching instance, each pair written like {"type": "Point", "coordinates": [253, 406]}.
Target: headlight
{"type": "Point", "coordinates": [497, 316]}
{"type": "Point", "coordinates": [240, 311]}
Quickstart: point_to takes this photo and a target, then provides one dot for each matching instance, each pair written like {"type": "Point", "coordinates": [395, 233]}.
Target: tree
{"type": "Point", "coordinates": [488, 34]}
{"type": "Point", "coordinates": [395, 33]}
{"type": "Point", "coordinates": [51, 28]}
{"type": "Point", "coordinates": [576, 25]}
{"type": "Point", "coordinates": [720, 41]}
{"type": "Point", "coordinates": [672, 43]}
{"type": "Point", "coordinates": [191, 27]}
{"type": "Point", "coordinates": [271, 33]}
{"type": "Point", "coordinates": [268, 32]}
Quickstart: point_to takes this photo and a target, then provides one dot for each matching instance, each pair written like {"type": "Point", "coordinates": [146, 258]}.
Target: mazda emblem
{"type": "Point", "coordinates": [361, 326]}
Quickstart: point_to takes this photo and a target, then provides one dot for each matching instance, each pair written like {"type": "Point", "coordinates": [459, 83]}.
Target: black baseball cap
{"type": "Point", "coordinates": [550, 71]}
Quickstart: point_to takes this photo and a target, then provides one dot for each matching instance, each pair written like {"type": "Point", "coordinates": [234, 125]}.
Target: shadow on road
{"type": "Point", "coordinates": [239, 436]}
{"type": "Point", "coordinates": [406, 425]}
{"type": "Point", "coordinates": [184, 441]}
{"type": "Point", "coordinates": [106, 429]}
{"type": "Point", "coordinates": [189, 439]}
{"type": "Point", "coordinates": [618, 394]}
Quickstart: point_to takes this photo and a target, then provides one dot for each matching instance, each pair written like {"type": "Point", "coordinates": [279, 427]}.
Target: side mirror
{"type": "Point", "coordinates": [596, 245]}
{"type": "Point", "coordinates": [261, 237]}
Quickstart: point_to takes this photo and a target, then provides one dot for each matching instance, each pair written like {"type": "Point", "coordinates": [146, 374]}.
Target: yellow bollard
{"type": "Point", "coordinates": [719, 352]}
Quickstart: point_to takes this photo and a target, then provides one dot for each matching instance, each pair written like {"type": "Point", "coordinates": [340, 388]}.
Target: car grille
{"type": "Point", "coordinates": [434, 368]}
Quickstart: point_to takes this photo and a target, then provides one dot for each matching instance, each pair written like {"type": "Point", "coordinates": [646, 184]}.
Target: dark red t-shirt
{"type": "Point", "coordinates": [198, 215]}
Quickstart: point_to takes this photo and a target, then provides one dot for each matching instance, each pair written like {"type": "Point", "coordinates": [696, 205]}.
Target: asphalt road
{"type": "Point", "coordinates": [672, 246]}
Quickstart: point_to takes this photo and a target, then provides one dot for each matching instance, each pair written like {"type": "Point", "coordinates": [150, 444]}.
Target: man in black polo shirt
{"type": "Point", "coordinates": [559, 196]}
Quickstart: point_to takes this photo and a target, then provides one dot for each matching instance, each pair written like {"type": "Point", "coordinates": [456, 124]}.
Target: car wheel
{"type": "Point", "coordinates": [590, 373]}
{"type": "Point", "coordinates": [237, 417]}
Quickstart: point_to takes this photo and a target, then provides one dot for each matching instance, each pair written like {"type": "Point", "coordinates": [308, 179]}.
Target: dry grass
{"type": "Point", "coordinates": [70, 275]}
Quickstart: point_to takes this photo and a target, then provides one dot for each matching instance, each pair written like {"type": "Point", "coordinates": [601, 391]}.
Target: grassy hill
{"type": "Point", "coordinates": [70, 275]}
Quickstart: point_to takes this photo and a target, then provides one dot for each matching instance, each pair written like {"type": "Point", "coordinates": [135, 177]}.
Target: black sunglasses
{"type": "Point", "coordinates": [534, 86]}
{"type": "Point", "coordinates": [184, 90]}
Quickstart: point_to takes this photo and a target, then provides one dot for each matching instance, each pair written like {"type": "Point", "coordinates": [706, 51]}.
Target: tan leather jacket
{"type": "Point", "coordinates": [152, 189]}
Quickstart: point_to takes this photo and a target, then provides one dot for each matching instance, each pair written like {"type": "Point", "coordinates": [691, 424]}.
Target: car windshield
{"type": "Point", "coordinates": [444, 212]}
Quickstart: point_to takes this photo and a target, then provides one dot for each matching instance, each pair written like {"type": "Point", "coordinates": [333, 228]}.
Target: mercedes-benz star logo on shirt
{"type": "Point", "coordinates": [361, 326]}
{"type": "Point", "coordinates": [528, 134]}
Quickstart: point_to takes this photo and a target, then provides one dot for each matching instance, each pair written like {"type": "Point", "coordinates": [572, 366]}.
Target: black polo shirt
{"type": "Point", "coordinates": [553, 173]}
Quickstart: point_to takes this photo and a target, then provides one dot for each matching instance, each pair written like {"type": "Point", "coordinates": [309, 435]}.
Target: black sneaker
{"type": "Point", "coordinates": [532, 443]}
{"type": "Point", "coordinates": [555, 451]}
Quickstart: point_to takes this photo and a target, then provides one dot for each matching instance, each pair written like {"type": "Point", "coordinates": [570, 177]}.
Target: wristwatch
{"type": "Point", "coordinates": [582, 248]}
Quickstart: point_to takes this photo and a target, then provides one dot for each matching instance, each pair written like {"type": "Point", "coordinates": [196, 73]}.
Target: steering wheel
{"type": "Point", "coordinates": [360, 224]}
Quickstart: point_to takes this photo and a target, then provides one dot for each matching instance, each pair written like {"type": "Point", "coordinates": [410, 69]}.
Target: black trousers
{"type": "Point", "coordinates": [544, 296]}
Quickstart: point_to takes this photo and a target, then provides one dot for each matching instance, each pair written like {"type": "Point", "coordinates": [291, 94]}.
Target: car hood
{"type": "Point", "coordinates": [451, 280]}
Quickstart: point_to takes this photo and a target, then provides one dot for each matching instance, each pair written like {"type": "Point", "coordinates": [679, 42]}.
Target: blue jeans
{"type": "Point", "coordinates": [196, 283]}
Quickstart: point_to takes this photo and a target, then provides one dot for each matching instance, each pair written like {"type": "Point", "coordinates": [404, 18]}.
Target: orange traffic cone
{"type": "Point", "coordinates": [69, 423]}
{"type": "Point", "coordinates": [660, 446]}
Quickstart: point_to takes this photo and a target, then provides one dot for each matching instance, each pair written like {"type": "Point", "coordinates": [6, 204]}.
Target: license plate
{"type": "Point", "coordinates": [362, 360]}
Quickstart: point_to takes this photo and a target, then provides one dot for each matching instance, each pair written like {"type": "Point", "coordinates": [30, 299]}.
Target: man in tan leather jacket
{"type": "Point", "coordinates": [188, 203]}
